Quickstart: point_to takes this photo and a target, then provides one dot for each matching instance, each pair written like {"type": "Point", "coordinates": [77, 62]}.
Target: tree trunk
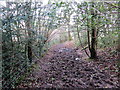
{"type": "Point", "coordinates": [118, 48]}
{"type": "Point", "coordinates": [69, 36]}
{"type": "Point", "coordinates": [28, 25]}
{"type": "Point", "coordinates": [93, 36]}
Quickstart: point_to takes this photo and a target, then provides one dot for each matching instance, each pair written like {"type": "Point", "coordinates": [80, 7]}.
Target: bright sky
{"type": "Point", "coordinates": [2, 2]}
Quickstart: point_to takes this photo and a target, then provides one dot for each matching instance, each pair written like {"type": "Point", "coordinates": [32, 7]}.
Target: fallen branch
{"type": "Point", "coordinates": [84, 48]}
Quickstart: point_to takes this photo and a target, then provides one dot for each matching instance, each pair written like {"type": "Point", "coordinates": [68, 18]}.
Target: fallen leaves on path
{"type": "Point", "coordinates": [64, 68]}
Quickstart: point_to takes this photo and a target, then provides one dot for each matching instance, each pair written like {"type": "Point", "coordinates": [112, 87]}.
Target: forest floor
{"type": "Point", "coordinates": [65, 67]}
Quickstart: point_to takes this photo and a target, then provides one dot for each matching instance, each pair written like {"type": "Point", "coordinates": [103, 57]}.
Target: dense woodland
{"type": "Point", "coordinates": [34, 34]}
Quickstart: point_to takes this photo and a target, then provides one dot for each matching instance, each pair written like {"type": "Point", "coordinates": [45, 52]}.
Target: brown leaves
{"type": "Point", "coordinates": [65, 68]}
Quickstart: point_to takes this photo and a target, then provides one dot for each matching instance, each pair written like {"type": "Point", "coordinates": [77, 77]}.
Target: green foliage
{"type": "Point", "coordinates": [30, 25]}
{"type": "Point", "coordinates": [17, 36]}
{"type": "Point", "coordinates": [109, 40]}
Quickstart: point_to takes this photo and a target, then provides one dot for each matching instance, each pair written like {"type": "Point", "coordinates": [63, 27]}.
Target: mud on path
{"type": "Point", "coordinates": [63, 67]}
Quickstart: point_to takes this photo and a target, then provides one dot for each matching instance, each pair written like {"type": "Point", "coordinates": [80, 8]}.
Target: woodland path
{"type": "Point", "coordinates": [63, 67]}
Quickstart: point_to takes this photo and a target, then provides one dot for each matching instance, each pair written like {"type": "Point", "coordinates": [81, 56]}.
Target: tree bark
{"type": "Point", "coordinates": [93, 35]}
{"type": "Point", "coordinates": [28, 25]}
{"type": "Point", "coordinates": [118, 48]}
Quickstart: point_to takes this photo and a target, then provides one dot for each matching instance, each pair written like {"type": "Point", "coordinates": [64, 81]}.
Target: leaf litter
{"type": "Point", "coordinates": [64, 68]}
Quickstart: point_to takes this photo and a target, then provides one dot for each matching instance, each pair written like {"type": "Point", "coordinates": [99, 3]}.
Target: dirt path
{"type": "Point", "coordinates": [63, 67]}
